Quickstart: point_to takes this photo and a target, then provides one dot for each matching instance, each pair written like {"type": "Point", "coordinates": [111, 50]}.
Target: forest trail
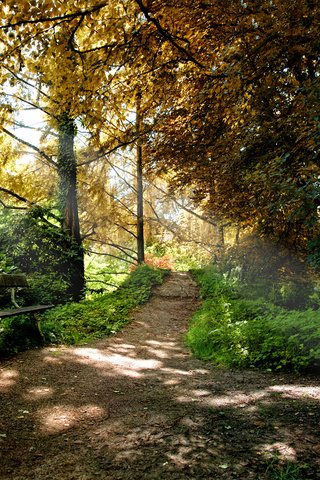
{"type": "Point", "coordinates": [137, 406]}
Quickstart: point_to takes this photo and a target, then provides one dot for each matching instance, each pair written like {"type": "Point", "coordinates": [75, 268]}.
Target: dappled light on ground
{"type": "Point", "coordinates": [39, 392]}
{"type": "Point", "coordinates": [282, 450]}
{"type": "Point", "coordinates": [127, 365]}
{"type": "Point", "coordinates": [232, 399]}
{"type": "Point", "coordinates": [62, 417]}
{"type": "Point", "coordinates": [8, 378]}
{"type": "Point", "coordinates": [297, 391]}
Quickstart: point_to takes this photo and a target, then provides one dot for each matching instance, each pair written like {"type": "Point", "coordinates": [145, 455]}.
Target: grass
{"type": "Point", "coordinates": [289, 471]}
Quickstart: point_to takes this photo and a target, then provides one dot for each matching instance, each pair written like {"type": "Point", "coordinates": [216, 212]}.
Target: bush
{"type": "Point", "coordinates": [287, 340]}
{"type": "Point", "coordinates": [104, 314]}
{"type": "Point", "coordinates": [18, 334]}
{"type": "Point", "coordinates": [235, 331]}
{"type": "Point", "coordinates": [180, 256]}
{"type": "Point", "coordinates": [45, 289]}
{"type": "Point", "coordinates": [213, 283]}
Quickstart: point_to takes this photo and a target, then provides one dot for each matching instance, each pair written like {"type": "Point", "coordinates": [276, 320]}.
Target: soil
{"type": "Point", "coordinates": [137, 405]}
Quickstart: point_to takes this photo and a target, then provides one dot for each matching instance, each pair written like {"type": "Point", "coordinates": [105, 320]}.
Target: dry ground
{"type": "Point", "coordinates": [138, 406]}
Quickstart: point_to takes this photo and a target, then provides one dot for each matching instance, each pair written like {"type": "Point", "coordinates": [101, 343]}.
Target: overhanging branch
{"type": "Point", "coordinates": [16, 196]}
{"type": "Point", "coordinates": [33, 147]}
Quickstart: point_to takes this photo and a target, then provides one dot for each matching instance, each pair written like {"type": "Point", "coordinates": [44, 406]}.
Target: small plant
{"type": "Point", "coordinates": [181, 257]}
{"type": "Point", "coordinates": [164, 262]}
{"type": "Point", "coordinates": [288, 471]}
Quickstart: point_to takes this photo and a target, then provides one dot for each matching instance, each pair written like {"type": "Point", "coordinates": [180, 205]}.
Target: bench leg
{"type": "Point", "coordinates": [36, 318]}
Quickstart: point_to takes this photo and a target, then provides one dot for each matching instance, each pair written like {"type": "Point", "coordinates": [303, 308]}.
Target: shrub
{"type": "Point", "coordinates": [45, 289]}
{"type": "Point", "coordinates": [164, 262]}
{"type": "Point", "coordinates": [288, 340]}
{"type": "Point", "coordinates": [213, 283]}
{"type": "Point", "coordinates": [18, 334]}
{"type": "Point", "coordinates": [104, 314]}
{"type": "Point", "coordinates": [181, 256]}
{"type": "Point", "coordinates": [232, 330]}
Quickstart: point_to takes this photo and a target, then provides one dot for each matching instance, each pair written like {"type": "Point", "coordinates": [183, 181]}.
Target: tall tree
{"type": "Point", "coordinates": [68, 203]}
{"type": "Point", "coordinates": [140, 216]}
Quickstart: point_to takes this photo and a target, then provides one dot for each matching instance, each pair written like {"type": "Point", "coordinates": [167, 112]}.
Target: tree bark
{"type": "Point", "coordinates": [140, 214]}
{"type": "Point", "coordinates": [68, 206]}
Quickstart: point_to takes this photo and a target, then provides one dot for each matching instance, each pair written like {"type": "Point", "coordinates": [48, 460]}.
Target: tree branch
{"type": "Point", "coordinates": [12, 207]}
{"type": "Point", "coordinates": [110, 255]}
{"type": "Point", "coordinates": [103, 154]}
{"type": "Point", "coordinates": [118, 247]}
{"type": "Point", "coordinates": [168, 36]}
{"type": "Point", "coordinates": [25, 82]}
{"type": "Point", "coordinates": [101, 281]}
{"type": "Point", "coordinates": [66, 16]}
{"type": "Point", "coordinates": [15, 195]}
{"type": "Point", "coordinates": [33, 147]}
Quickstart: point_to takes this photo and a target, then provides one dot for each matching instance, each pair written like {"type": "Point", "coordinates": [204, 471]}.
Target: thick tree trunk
{"type": "Point", "coordinates": [140, 215]}
{"type": "Point", "coordinates": [68, 206]}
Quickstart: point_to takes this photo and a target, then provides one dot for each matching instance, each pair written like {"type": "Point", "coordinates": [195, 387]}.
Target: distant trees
{"type": "Point", "coordinates": [229, 108]}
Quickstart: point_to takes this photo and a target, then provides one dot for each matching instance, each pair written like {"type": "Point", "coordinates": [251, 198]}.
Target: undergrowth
{"type": "Point", "coordinates": [234, 330]}
{"type": "Point", "coordinates": [76, 323]}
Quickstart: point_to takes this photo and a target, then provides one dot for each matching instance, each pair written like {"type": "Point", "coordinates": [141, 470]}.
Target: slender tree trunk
{"type": "Point", "coordinates": [68, 206]}
{"type": "Point", "coordinates": [140, 217]}
{"type": "Point", "coordinates": [237, 237]}
{"type": "Point", "coordinates": [221, 239]}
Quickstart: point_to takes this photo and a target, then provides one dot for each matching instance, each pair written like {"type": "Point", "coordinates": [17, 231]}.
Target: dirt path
{"type": "Point", "coordinates": [138, 406]}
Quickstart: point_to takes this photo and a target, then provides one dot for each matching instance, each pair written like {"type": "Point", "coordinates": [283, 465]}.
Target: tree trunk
{"type": "Point", "coordinates": [140, 218]}
{"type": "Point", "coordinates": [237, 237]}
{"type": "Point", "coordinates": [221, 240]}
{"type": "Point", "coordinates": [68, 206]}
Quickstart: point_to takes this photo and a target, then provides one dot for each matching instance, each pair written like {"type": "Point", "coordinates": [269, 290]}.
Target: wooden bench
{"type": "Point", "coordinates": [13, 281]}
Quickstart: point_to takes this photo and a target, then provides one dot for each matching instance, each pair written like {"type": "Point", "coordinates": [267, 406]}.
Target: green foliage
{"type": "Point", "coordinates": [105, 314]}
{"type": "Point", "coordinates": [84, 321]}
{"type": "Point", "coordinates": [287, 340]}
{"type": "Point", "coordinates": [183, 257]}
{"type": "Point", "coordinates": [103, 274]}
{"type": "Point", "coordinates": [294, 294]}
{"type": "Point", "coordinates": [232, 330]}
{"type": "Point", "coordinates": [45, 289]}
{"type": "Point", "coordinates": [271, 272]}
{"type": "Point", "coordinates": [37, 247]}
{"type": "Point", "coordinates": [256, 258]}
{"type": "Point", "coordinates": [18, 334]}
{"type": "Point", "coordinates": [214, 284]}
{"type": "Point", "coordinates": [314, 254]}
{"type": "Point", "coordinates": [6, 264]}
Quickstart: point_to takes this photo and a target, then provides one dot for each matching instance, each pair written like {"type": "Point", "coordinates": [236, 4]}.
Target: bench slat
{"type": "Point", "coordinates": [20, 311]}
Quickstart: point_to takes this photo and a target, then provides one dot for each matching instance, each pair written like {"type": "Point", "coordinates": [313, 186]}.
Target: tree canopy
{"type": "Point", "coordinates": [229, 102]}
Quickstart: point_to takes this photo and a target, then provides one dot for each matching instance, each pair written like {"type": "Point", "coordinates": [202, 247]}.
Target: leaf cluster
{"type": "Point", "coordinates": [35, 244]}
{"type": "Point", "coordinates": [240, 124]}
